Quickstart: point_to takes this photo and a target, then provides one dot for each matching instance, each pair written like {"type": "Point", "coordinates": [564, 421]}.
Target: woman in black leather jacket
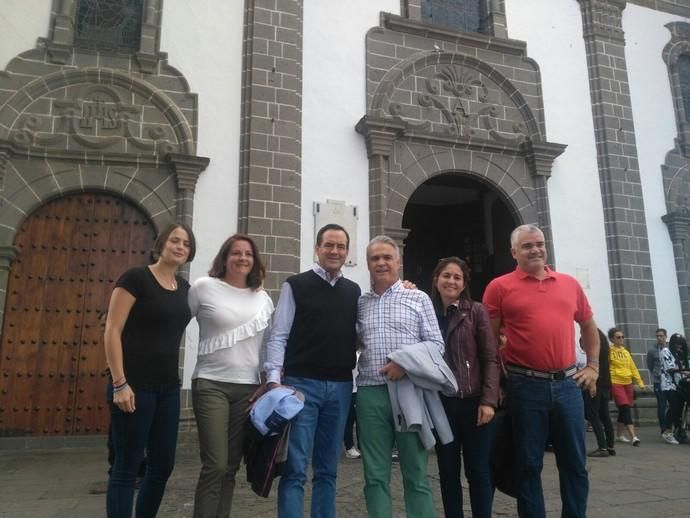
{"type": "Point", "coordinates": [471, 353]}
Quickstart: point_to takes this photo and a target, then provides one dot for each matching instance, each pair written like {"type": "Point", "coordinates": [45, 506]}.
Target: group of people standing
{"type": "Point", "coordinates": [407, 340]}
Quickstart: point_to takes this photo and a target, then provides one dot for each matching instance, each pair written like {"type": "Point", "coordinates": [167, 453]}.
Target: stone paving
{"type": "Point", "coordinates": [652, 480]}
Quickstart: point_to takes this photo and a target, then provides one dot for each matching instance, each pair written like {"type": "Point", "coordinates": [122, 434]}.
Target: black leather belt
{"type": "Point", "coordinates": [544, 375]}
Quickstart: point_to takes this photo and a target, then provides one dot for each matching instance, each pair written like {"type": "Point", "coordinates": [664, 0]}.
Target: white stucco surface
{"type": "Point", "coordinates": [334, 159]}
{"type": "Point", "coordinates": [22, 22]}
{"type": "Point", "coordinates": [553, 32]}
{"type": "Point", "coordinates": [203, 40]}
{"type": "Point", "coordinates": [655, 129]}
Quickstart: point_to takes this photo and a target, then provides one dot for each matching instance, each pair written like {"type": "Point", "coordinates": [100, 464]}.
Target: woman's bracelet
{"type": "Point", "coordinates": [120, 387]}
{"type": "Point", "coordinates": [119, 382]}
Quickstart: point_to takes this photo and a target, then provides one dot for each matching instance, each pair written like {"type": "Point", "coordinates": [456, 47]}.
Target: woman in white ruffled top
{"type": "Point", "coordinates": [233, 314]}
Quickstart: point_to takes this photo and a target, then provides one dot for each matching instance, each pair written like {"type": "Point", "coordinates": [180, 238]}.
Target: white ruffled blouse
{"type": "Point", "coordinates": [232, 323]}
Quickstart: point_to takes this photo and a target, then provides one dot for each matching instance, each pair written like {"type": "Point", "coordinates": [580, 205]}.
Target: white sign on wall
{"type": "Point", "coordinates": [335, 211]}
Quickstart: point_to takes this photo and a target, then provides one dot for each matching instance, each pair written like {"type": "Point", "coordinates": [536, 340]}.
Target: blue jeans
{"type": "Point", "coordinates": [152, 427]}
{"type": "Point", "coordinates": [318, 428]}
{"type": "Point", "coordinates": [473, 444]}
{"type": "Point", "coordinates": [538, 407]}
{"type": "Point", "coordinates": [661, 405]}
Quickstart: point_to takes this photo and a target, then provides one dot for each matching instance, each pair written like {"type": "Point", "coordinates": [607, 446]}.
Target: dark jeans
{"type": "Point", "coordinates": [672, 419]}
{"type": "Point", "coordinates": [350, 424]}
{"type": "Point", "coordinates": [152, 427]}
{"type": "Point", "coordinates": [538, 406]}
{"type": "Point", "coordinates": [597, 413]}
{"type": "Point", "coordinates": [472, 445]}
{"type": "Point", "coordinates": [661, 405]}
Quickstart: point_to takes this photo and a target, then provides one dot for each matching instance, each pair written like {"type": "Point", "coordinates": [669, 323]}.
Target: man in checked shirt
{"type": "Point", "coordinates": [390, 317]}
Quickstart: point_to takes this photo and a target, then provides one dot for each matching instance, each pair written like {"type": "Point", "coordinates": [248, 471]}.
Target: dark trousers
{"type": "Point", "coordinates": [597, 413]}
{"type": "Point", "coordinates": [624, 415]}
{"type": "Point", "coordinates": [672, 419]}
{"type": "Point", "coordinates": [472, 444]}
{"type": "Point", "coordinates": [152, 427]}
{"type": "Point", "coordinates": [661, 405]}
{"type": "Point", "coordinates": [349, 438]}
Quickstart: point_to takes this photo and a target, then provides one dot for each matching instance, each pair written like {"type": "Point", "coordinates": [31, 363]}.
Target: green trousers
{"type": "Point", "coordinates": [377, 439]}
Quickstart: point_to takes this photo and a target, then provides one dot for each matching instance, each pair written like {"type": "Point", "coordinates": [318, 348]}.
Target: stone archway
{"type": "Point", "coordinates": [70, 252]}
{"type": "Point", "coordinates": [455, 214]}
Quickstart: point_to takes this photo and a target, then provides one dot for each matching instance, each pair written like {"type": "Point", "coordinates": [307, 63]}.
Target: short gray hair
{"type": "Point", "coordinates": [384, 240]}
{"type": "Point", "coordinates": [528, 228]}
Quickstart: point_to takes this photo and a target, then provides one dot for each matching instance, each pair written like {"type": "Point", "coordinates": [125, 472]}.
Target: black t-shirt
{"type": "Point", "coordinates": [151, 336]}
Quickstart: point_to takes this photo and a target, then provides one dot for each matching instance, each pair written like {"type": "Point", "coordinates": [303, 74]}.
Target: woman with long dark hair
{"type": "Point", "coordinates": [147, 315]}
{"type": "Point", "coordinates": [471, 353]}
{"type": "Point", "coordinates": [233, 313]}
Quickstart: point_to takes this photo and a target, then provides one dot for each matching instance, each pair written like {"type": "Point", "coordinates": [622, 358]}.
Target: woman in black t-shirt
{"type": "Point", "coordinates": [147, 315]}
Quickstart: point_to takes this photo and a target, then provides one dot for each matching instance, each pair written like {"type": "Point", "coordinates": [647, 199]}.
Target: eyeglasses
{"type": "Point", "coordinates": [619, 336]}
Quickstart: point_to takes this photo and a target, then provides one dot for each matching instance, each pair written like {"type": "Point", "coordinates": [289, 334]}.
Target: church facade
{"type": "Point", "coordinates": [442, 123]}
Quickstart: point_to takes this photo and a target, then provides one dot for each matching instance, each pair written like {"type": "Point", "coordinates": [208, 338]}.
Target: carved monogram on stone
{"type": "Point", "coordinates": [96, 119]}
{"type": "Point", "coordinates": [463, 102]}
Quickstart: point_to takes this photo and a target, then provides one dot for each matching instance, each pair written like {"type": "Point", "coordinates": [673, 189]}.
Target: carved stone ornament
{"type": "Point", "coordinates": [98, 119]}
{"type": "Point", "coordinates": [603, 17]}
{"type": "Point", "coordinates": [462, 99]}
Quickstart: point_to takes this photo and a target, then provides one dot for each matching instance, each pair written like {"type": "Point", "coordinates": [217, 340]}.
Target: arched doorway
{"type": "Point", "coordinates": [70, 252]}
{"type": "Point", "coordinates": [455, 214]}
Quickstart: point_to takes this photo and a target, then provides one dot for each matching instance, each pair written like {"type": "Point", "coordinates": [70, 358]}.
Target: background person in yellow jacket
{"type": "Point", "coordinates": [623, 373]}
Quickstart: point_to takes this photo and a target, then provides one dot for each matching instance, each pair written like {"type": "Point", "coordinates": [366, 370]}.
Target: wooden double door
{"type": "Point", "coordinates": [71, 252]}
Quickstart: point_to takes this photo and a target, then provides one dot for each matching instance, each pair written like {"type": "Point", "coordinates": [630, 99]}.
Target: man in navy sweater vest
{"type": "Point", "coordinates": [313, 342]}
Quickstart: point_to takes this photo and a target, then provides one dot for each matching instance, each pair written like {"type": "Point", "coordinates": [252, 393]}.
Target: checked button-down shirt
{"type": "Point", "coordinates": [388, 322]}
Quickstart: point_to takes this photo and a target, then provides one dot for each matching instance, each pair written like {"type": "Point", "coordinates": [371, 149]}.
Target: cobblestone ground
{"type": "Point", "coordinates": [652, 480]}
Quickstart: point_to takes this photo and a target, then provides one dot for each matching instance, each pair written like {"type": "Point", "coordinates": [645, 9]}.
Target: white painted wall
{"type": "Point", "coordinates": [655, 129]}
{"type": "Point", "coordinates": [22, 22]}
{"type": "Point", "coordinates": [334, 159]}
{"type": "Point", "coordinates": [203, 40]}
{"type": "Point", "coordinates": [553, 32]}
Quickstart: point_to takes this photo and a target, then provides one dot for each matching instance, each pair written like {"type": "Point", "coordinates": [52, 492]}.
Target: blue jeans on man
{"type": "Point", "coordinates": [315, 433]}
{"type": "Point", "coordinates": [151, 428]}
{"type": "Point", "coordinates": [538, 406]}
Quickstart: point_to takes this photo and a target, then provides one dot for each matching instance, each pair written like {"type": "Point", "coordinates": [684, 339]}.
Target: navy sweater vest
{"type": "Point", "coordinates": [322, 340]}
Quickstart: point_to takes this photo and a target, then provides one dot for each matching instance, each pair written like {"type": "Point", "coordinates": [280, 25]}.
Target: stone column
{"type": "Point", "coordinates": [379, 137]}
{"type": "Point", "coordinates": [630, 269]}
{"type": "Point", "coordinates": [271, 141]}
{"type": "Point", "coordinates": [678, 224]}
{"type": "Point", "coordinates": [539, 157]}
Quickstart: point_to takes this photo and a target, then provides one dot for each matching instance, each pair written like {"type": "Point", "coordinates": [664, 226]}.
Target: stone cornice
{"type": "Point", "coordinates": [436, 32]}
{"type": "Point", "coordinates": [665, 6]}
{"type": "Point", "coordinates": [678, 224]}
{"type": "Point", "coordinates": [187, 169]}
{"type": "Point", "coordinates": [603, 19]}
{"type": "Point", "coordinates": [379, 134]}
{"type": "Point", "coordinates": [540, 156]}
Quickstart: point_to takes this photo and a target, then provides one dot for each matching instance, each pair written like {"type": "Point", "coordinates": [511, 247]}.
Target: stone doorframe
{"type": "Point", "coordinates": [451, 105]}
{"type": "Point", "coordinates": [76, 119]}
{"type": "Point", "coordinates": [676, 167]}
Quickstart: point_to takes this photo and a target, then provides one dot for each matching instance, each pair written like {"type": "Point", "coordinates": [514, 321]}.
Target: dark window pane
{"type": "Point", "coordinates": [458, 14]}
{"type": "Point", "coordinates": [114, 24]}
{"type": "Point", "coordinates": [684, 76]}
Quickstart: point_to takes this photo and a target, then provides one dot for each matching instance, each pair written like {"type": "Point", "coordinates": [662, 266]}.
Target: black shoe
{"type": "Point", "coordinates": [612, 452]}
{"type": "Point", "coordinates": [601, 452]}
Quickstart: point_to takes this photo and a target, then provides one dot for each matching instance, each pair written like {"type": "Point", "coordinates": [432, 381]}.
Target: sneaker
{"type": "Point", "coordinates": [623, 438]}
{"type": "Point", "coordinates": [353, 453]}
{"type": "Point", "coordinates": [636, 441]}
{"type": "Point", "coordinates": [601, 452]}
{"type": "Point", "coordinates": [669, 438]}
{"type": "Point", "coordinates": [612, 452]}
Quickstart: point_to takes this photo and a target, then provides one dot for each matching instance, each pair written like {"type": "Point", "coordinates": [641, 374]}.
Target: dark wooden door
{"type": "Point", "coordinates": [70, 253]}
